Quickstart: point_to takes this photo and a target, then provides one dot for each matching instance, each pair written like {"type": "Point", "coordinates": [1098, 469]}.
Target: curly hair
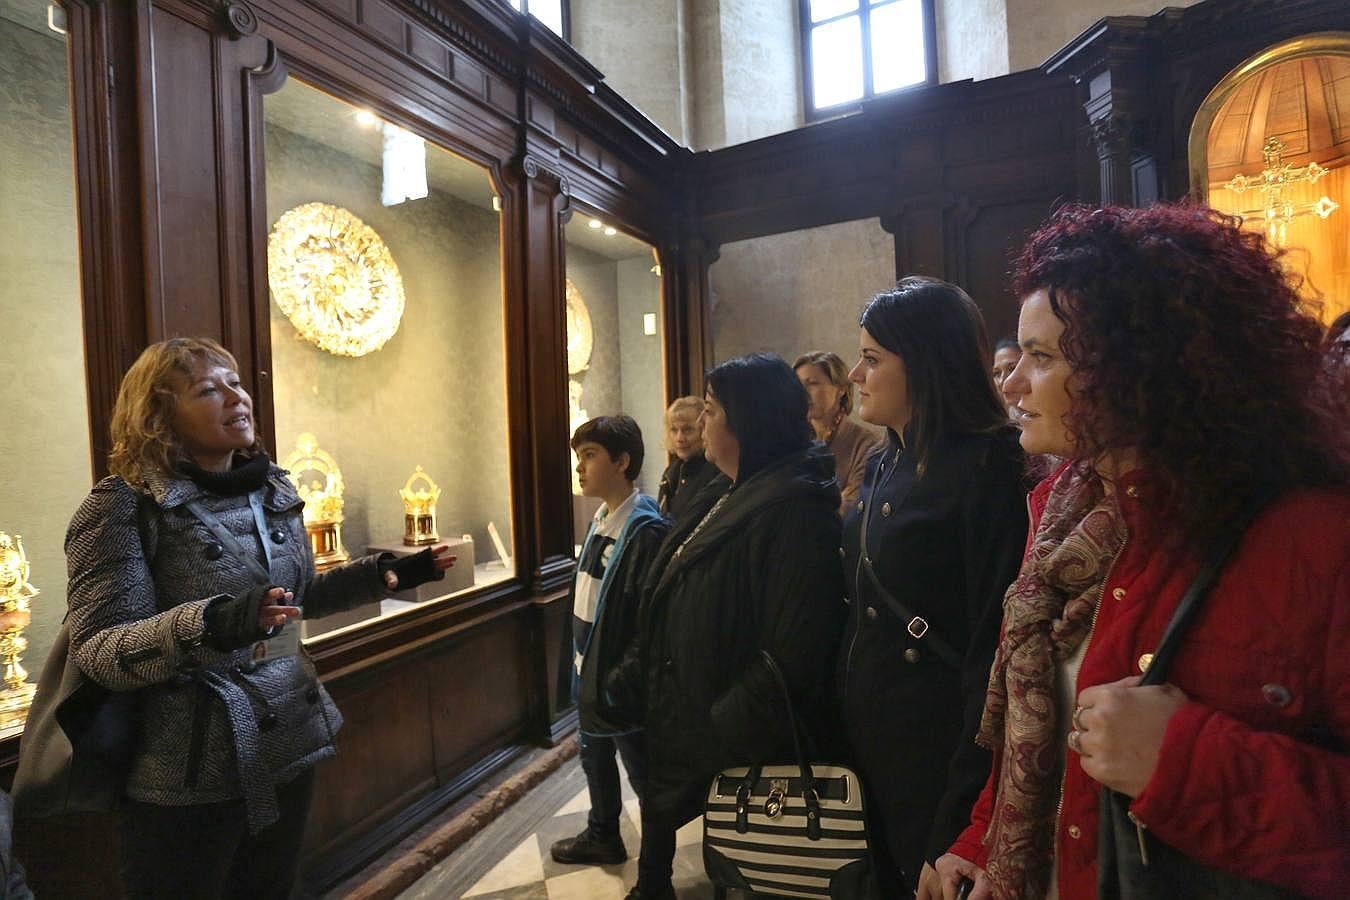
{"type": "Point", "coordinates": [1190, 346]}
{"type": "Point", "coordinates": [144, 442]}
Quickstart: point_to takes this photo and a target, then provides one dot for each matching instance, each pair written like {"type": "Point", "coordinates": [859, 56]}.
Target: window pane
{"type": "Point", "coordinates": [836, 63]}
{"type": "Point", "coordinates": [387, 328]}
{"type": "Point", "coordinates": [45, 442]}
{"type": "Point", "coordinates": [550, 13]}
{"type": "Point", "coordinates": [897, 46]}
{"type": "Point", "coordinates": [828, 9]}
{"type": "Point", "coordinates": [615, 340]}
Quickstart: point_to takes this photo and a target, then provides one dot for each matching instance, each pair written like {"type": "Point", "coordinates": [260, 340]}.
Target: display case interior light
{"type": "Point", "coordinates": [610, 231]}
{"type": "Point", "coordinates": [649, 323]}
{"type": "Point", "coordinates": [366, 119]}
{"type": "Point", "coordinates": [496, 203]}
{"type": "Point", "coordinates": [596, 223]}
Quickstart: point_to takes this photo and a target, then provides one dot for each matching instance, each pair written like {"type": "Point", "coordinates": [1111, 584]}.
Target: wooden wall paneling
{"type": "Point", "coordinates": [479, 692]}
{"type": "Point", "coordinates": [545, 191]}
{"type": "Point", "coordinates": [180, 169]}
{"type": "Point", "coordinates": [386, 756]}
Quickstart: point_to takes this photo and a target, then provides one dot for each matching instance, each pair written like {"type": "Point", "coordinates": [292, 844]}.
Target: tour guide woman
{"type": "Point", "coordinates": [1165, 352]}
{"type": "Point", "coordinates": [182, 561]}
{"type": "Point", "coordinates": [752, 568]}
{"type": "Point", "coordinates": [931, 546]}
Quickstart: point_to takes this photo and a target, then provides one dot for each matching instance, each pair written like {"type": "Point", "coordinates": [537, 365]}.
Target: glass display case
{"type": "Point", "coordinates": [615, 340]}
{"type": "Point", "coordinates": [45, 440]}
{"type": "Point", "coordinates": [387, 344]}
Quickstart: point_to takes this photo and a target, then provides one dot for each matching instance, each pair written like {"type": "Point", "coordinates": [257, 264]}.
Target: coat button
{"type": "Point", "coordinates": [267, 722]}
{"type": "Point", "coordinates": [860, 506]}
{"type": "Point", "coordinates": [1075, 832]}
{"type": "Point", "coordinates": [1276, 694]}
{"type": "Point", "coordinates": [911, 655]}
{"type": "Point", "coordinates": [1118, 593]}
{"type": "Point", "coordinates": [213, 551]}
{"type": "Point", "coordinates": [871, 612]}
{"type": "Point", "coordinates": [886, 508]}
{"type": "Point", "coordinates": [312, 695]}
{"type": "Point", "coordinates": [278, 536]}
{"type": "Point", "coordinates": [1145, 660]}
{"type": "Point", "coordinates": [669, 663]}
{"type": "Point", "coordinates": [841, 553]}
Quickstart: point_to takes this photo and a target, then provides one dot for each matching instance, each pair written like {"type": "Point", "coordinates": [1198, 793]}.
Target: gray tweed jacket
{"type": "Point", "coordinates": [214, 726]}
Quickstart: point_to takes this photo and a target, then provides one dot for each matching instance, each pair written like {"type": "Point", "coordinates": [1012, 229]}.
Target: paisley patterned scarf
{"type": "Point", "coordinates": [1047, 613]}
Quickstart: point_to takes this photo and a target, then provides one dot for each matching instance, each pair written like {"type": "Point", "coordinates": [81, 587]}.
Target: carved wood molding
{"type": "Point", "coordinates": [536, 167]}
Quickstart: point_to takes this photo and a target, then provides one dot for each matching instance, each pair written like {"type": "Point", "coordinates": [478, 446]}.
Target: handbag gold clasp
{"type": "Point", "coordinates": [773, 806]}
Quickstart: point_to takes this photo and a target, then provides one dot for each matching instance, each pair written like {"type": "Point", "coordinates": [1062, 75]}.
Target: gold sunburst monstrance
{"type": "Point", "coordinates": [335, 279]}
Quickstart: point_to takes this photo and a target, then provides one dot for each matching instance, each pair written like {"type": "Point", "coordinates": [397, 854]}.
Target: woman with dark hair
{"type": "Point", "coordinates": [1168, 357]}
{"type": "Point", "coordinates": [930, 548]}
{"type": "Point", "coordinates": [751, 568]}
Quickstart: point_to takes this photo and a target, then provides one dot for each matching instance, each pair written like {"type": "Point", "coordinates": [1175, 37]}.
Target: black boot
{"type": "Point", "coordinates": [642, 892]}
{"type": "Point", "coordinates": [587, 849]}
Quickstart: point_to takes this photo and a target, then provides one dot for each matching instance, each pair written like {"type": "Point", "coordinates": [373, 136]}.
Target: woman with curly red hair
{"type": "Point", "coordinates": [1167, 356]}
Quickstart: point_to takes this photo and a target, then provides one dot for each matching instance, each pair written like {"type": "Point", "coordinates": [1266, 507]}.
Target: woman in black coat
{"type": "Point", "coordinates": [689, 472]}
{"type": "Point", "coordinates": [752, 567]}
{"type": "Point", "coordinates": [930, 548]}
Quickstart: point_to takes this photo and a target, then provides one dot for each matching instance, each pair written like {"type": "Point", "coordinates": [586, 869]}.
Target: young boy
{"type": "Point", "coordinates": [622, 541]}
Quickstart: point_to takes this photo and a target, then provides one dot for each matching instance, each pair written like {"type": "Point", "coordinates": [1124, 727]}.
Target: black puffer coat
{"type": "Point", "coordinates": [764, 573]}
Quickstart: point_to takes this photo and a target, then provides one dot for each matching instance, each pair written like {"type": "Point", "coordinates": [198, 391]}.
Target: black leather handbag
{"type": "Point", "coordinates": [1131, 863]}
{"type": "Point", "coordinates": [798, 829]}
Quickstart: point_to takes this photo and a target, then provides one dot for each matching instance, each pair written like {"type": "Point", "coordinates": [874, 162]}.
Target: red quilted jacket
{"type": "Point", "coordinates": [1254, 775]}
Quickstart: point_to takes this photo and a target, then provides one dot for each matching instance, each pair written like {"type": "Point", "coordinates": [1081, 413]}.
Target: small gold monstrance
{"type": "Point", "coordinates": [16, 595]}
{"type": "Point", "coordinates": [419, 510]}
{"type": "Point", "coordinates": [319, 481]}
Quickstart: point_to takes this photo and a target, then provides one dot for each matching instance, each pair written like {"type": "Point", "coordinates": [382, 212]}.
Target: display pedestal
{"type": "Point", "coordinates": [457, 578]}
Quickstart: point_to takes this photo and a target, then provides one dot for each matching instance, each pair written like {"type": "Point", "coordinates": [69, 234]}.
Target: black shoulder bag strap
{"type": "Point", "coordinates": [231, 544]}
{"type": "Point", "coordinates": [916, 625]}
{"type": "Point", "coordinates": [1130, 866]}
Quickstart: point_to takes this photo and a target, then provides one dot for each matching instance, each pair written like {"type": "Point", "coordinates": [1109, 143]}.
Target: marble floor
{"type": "Point", "coordinates": [509, 860]}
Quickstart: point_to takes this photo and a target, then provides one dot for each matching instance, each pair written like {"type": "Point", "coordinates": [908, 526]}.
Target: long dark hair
{"type": "Point", "coordinates": [938, 333]}
{"type": "Point", "coordinates": [1189, 345]}
{"type": "Point", "coordinates": [766, 409]}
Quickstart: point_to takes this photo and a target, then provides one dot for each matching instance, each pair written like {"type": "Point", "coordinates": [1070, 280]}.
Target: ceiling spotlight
{"type": "Point", "coordinates": [366, 119]}
{"type": "Point", "coordinates": [610, 231]}
{"type": "Point", "coordinates": [595, 223]}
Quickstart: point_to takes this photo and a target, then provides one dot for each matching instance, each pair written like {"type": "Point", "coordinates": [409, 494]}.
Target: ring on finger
{"type": "Point", "coordinates": [1076, 742]}
{"type": "Point", "coordinates": [1077, 717]}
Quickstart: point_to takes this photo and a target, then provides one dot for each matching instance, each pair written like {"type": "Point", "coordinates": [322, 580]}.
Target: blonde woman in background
{"type": "Point", "coordinates": [689, 470]}
{"type": "Point", "coordinates": [825, 378]}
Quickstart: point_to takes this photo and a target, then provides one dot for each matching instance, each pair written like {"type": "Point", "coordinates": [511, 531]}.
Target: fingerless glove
{"type": "Point", "coordinates": [232, 622]}
{"type": "Point", "coordinates": [412, 571]}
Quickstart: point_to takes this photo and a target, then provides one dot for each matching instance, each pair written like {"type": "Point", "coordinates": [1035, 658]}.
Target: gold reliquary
{"type": "Point", "coordinates": [16, 595]}
{"type": "Point", "coordinates": [419, 509]}
{"type": "Point", "coordinates": [318, 480]}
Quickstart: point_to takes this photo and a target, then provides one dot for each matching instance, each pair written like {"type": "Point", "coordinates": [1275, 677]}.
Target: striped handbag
{"type": "Point", "coordinates": [796, 830]}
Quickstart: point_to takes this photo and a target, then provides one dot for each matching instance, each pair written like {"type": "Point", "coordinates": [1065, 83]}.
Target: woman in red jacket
{"type": "Point", "coordinates": [1166, 354]}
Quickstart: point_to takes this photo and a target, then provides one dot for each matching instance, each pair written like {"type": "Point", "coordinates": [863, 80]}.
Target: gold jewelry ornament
{"type": "Point", "coordinates": [16, 595]}
{"type": "Point", "coordinates": [1077, 712]}
{"type": "Point", "coordinates": [1076, 742]}
{"type": "Point", "coordinates": [419, 510]}
{"type": "Point", "coordinates": [580, 336]}
{"type": "Point", "coordinates": [322, 493]}
{"type": "Point", "coordinates": [334, 279]}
